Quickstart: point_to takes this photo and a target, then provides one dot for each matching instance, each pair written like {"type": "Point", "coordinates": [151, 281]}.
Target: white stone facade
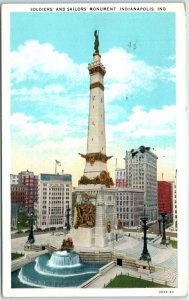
{"type": "Point", "coordinates": [54, 197]}
{"type": "Point", "coordinates": [13, 179]}
{"type": "Point", "coordinates": [141, 173]}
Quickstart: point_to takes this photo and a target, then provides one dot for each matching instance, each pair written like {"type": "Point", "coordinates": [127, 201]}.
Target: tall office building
{"type": "Point", "coordinates": [30, 181]}
{"type": "Point", "coordinates": [141, 173]}
{"type": "Point", "coordinates": [54, 197]}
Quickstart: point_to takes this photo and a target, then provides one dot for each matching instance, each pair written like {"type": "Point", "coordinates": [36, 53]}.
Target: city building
{"type": "Point", "coordinates": [18, 194]}
{"type": "Point", "coordinates": [54, 197]}
{"type": "Point", "coordinates": [17, 201]}
{"type": "Point", "coordinates": [30, 181]}
{"type": "Point", "coordinates": [120, 180]}
{"type": "Point", "coordinates": [13, 179]}
{"type": "Point", "coordinates": [130, 206]}
{"type": "Point", "coordinates": [164, 197]}
{"type": "Point", "coordinates": [174, 191]}
{"type": "Point", "coordinates": [141, 173]}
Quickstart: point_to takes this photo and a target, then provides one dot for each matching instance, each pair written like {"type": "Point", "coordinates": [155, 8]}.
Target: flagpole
{"type": "Point", "coordinates": [57, 163]}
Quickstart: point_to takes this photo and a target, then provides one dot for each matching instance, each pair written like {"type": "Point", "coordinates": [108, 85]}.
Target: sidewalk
{"type": "Point", "coordinates": [162, 277]}
{"type": "Point", "coordinates": [17, 244]}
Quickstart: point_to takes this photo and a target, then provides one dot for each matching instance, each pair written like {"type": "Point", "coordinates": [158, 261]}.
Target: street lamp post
{"type": "Point", "coordinates": [31, 239]}
{"type": "Point", "coordinates": [159, 221]}
{"type": "Point", "coordinates": [145, 254]}
{"type": "Point", "coordinates": [68, 220]}
{"type": "Point", "coordinates": [164, 220]}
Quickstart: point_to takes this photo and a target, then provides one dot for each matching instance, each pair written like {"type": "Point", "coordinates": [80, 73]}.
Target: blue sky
{"type": "Point", "coordinates": [50, 53]}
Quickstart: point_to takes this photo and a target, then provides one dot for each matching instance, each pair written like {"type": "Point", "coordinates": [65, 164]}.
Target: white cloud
{"type": "Point", "coordinates": [167, 152]}
{"type": "Point", "coordinates": [33, 59]}
{"type": "Point", "coordinates": [38, 94]}
{"type": "Point", "coordinates": [125, 74]}
{"type": "Point", "coordinates": [141, 123]}
{"type": "Point", "coordinates": [26, 126]}
{"type": "Point", "coordinates": [67, 146]}
{"type": "Point", "coordinates": [168, 74]}
{"type": "Point", "coordinates": [121, 65]}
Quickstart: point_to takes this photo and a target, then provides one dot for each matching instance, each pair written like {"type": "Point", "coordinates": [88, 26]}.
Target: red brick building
{"type": "Point", "coordinates": [164, 197]}
{"type": "Point", "coordinates": [30, 181]}
{"type": "Point", "coordinates": [18, 194]}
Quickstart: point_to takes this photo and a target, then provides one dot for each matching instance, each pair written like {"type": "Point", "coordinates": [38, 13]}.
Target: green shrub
{"type": "Point", "coordinates": [173, 244]}
{"type": "Point", "coordinates": [16, 255]}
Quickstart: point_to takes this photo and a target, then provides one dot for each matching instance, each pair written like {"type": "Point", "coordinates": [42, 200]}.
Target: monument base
{"type": "Point", "coordinates": [95, 206]}
{"type": "Point", "coordinates": [83, 237]}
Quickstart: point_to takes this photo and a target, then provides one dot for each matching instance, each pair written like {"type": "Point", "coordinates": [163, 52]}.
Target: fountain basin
{"type": "Point", "coordinates": [46, 272]}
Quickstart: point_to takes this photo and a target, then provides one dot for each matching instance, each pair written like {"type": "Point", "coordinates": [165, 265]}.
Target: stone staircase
{"type": "Point", "coordinates": [170, 263]}
{"type": "Point", "coordinates": [165, 277]}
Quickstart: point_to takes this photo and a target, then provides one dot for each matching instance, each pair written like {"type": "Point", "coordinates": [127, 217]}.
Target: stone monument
{"type": "Point", "coordinates": [94, 214]}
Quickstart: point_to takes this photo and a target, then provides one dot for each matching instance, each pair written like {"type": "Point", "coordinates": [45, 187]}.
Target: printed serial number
{"type": "Point", "coordinates": [166, 292]}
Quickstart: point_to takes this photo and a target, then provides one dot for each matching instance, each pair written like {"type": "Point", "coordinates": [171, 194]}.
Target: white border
{"type": "Point", "coordinates": [181, 158]}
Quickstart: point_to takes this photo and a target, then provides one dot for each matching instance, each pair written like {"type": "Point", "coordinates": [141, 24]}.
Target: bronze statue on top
{"type": "Point", "coordinates": [96, 43]}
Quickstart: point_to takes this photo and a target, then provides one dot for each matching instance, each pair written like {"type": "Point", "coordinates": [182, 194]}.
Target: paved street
{"type": "Point", "coordinates": [18, 243]}
{"type": "Point", "coordinates": [154, 228]}
{"type": "Point", "coordinates": [164, 257]}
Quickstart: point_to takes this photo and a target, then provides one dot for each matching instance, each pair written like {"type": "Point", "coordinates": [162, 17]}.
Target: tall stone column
{"type": "Point", "coordinates": [95, 179]}
{"type": "Point", "coordinates": [96, 140]}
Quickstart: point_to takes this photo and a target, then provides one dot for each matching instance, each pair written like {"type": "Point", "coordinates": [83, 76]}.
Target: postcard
{"type": "Point", "coordinates": [94, 150]}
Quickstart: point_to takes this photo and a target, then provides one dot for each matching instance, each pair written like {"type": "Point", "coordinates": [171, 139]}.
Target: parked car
{"type": "Point", "coordinates": [52, 228]}
{"type": "Point", "coordinates": [38, 230]}
{"type": "Point", "coordinates": [19, 231]}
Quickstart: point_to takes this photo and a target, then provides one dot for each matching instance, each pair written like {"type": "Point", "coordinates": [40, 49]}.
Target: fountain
{"type": "Point", "coordinates": [64, 259]}
{"type": "Point", "coordinates": [59, 269]}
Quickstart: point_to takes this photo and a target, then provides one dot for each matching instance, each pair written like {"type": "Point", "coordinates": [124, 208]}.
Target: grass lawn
{"type": "Point", "coordinates": [123, 281]}
{"type": "Point", "coordinates": [16, 255]}
{"type": "Point", "coordinates": [173, 244]}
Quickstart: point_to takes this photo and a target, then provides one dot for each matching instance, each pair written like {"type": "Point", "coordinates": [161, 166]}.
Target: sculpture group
{"type": "Point", "coordinates": [84, 215]}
